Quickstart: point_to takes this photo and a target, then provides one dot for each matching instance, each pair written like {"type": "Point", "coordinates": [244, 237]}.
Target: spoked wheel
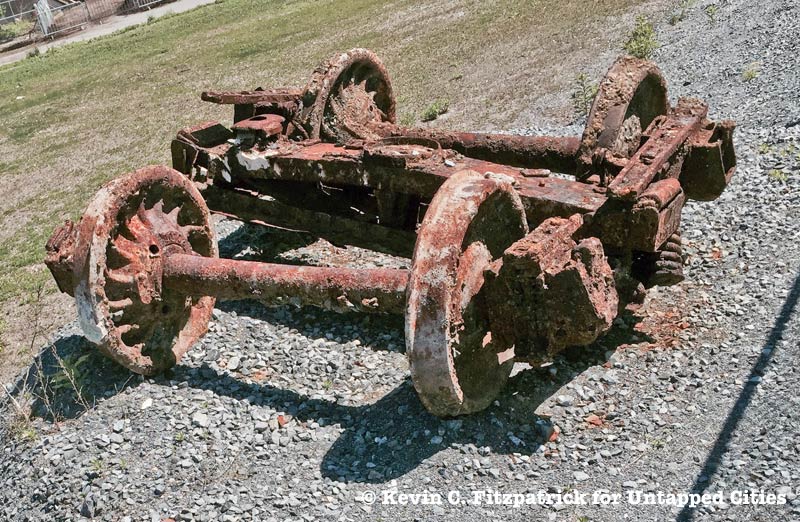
{"type": "Point", "coordinates": [130, 224]}
{"type": "Point", "coordinates": [456, 365]}
{"type": "Point", "coordinates": [347, 94]}
{"type": "Point", "coordinates": [632, 94]}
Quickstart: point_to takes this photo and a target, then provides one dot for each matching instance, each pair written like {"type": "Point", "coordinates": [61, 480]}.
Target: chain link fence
{"type": "Point", "coordinates": [51, 18]}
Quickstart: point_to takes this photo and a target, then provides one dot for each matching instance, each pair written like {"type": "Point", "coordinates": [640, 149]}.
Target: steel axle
{"type": "Point", "coordinates": [380, 290]}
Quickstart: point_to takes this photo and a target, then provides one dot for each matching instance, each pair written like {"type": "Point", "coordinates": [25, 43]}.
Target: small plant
{"type": "Point", "coordinates": [407, 120]}
{"type": "Point", "coordinates": [764, 148]}
{"type": "Point", "coordinates": [327, 384]}
{"type": "Point", "coordinates": [19, 423]}
{"type": "Point", "coordinates": [71, 375]}
{"type": "Point", "coordinates": [751, 71]}
{"type": "Point", "coordinates": [583, 95]}
{"type": "Point", "coordinates": [22, 430]}
{"type": "Point", "coordinates": [33, 53]}
{"type": "Point", "coordinates": [96, 465]}
{"type": "Point", "coordinates": [583, 518]}
{"type": "Point", "coordinates": [779, 175]}
{"type": "Point", "coordinates": [435, 110]}
{"type": "Point", "coordinates": [683, 10]}
{"type": "Point", "coordinates": [711, 11]}
{"type": "Point", "coordinates": [642, 42]}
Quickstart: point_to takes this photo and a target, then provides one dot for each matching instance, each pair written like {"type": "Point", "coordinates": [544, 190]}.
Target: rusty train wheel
{"type": "Point", "coordinates": [129, 225]}
{"type": "Point", "coordinates": [631, 95]}
{"type": "Point", "coordinates": [456, 366]}
{"type": "Point", "coordinates": [346, 94]}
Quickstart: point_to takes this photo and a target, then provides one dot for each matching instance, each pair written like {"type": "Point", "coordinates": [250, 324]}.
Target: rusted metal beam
{"type": "Point", "coordinates": [252, 97]}
{"type": "Point", "coordinates": [663, 153]}
{"type": "Point", "coordinates": [558, 154]}
{"type": "Point", "coordinates": [397, 169]}
{"type": "Point", "coordinates": [340, 289]}
{"type": "Point", "coordinates": [249, 206]}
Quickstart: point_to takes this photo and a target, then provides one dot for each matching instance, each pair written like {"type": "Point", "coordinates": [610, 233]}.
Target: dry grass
{"type": "Point", "coordinates": [81, 115]}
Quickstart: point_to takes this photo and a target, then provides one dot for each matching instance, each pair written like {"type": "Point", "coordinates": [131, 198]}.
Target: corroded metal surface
{"type": "Point", "coordinates": [117, 248]}
{"type": "Point", "coordinates": [632, 94]}
{"type": "Point", "coordinates": [345, 94]}
{"type": "Point", "coordinates": [457, 366]}
{"type": "Point", "coordinates": [551, 291]}
{"type": "Point", "coordinates": [604, 211]}
{"type": "Point", "coordinates": [339, 289]}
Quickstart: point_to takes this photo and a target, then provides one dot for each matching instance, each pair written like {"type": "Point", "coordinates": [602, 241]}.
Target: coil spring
{"type": "Point", "coordinates": [669, 265]}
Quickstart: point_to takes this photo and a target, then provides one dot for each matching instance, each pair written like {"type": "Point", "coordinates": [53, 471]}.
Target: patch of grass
{"type": "Point", "coordinates": [642, 42]}
{"type": "Point", "coordinates": [683, 10]}
{"type": "Point", "coordinates": [22, 430]}
{"type": "Point", "coordinates": [435, 109]}
{"type": "Point", "coordinates": [15, 29]}
{"type": "Point", "coordinates": [407, 119]}
{"type": "Point", "coordinates": [583, 95]}
{"type": "Point", "coordinates": [711, 11]}
{"type": "Point", "coordinates": [751, 71]}
{"type": "Point", "coordinates": [778, 175]}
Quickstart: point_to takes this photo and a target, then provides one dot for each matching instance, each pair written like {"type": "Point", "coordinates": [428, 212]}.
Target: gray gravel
{"type": "Point", "coordinates": [297, 414]}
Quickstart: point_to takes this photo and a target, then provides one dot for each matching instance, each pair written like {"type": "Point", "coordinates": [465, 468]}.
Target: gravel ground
{"type": "Point", "coordinates": [287, 414]}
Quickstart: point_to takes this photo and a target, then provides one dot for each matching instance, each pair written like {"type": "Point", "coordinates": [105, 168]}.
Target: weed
{"type": "Point", "coordinates": [407, 119]}
{"type": "Point", "coordinates": [19, 423]}
{"type": "Point", "coordinates": [764, 148]}
{"type": "Point", "coordinates": [435, 110]}
{"type": "Point", "coordinates": [71, 375]}
{"type": "Point", "coordinates": [22, 430]}
{"type": "Point", "coordinates": [97, 465]}
{"type": "Point", "coordinates": [583, 95]}
{"type": "Point", "coordinates": [327, 385]}
{"type": "Point", "coordinates": [180, 437]}
{"type": "Point", "coordinates": [751, 71]}
{"type": "Point", "coordinates": [642, 41]}
{"type": "Point", "coordinates": [711, 11]}
{"type": "Point", "coordinates": [788, 150]}
{"type": "Point", "coordinates": [683, 10]}
{"type": "Point", "coordinates": [583, 518]}
{"type": "Point", "coordinates": [33, 53]}
{"type": "Point", "coordinates": [779, 175]}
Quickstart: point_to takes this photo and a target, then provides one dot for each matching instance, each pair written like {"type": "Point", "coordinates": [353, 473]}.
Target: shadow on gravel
{"type": "Point", "coordinates": [395, 435]}
{"type": "Point", "coordinates": [67, 377]}
{"type": "Point", "coordinates": [711, 465]}
{"type": "Point", "coordinates": [259, 243]}
{"type": "Point", "coordinates": [312, 322]}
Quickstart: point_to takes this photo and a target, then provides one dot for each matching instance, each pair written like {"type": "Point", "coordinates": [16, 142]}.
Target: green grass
{"type": "Point", "coordinates": [14, 29]}
{"type": "Point", "coordinates": [435, 109]}
{"type": "Point", "coordinates": [77, 116]}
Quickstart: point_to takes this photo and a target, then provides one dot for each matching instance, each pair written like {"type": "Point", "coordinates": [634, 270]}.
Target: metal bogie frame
{"type": "Point", "coordinates": [520, 246]}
